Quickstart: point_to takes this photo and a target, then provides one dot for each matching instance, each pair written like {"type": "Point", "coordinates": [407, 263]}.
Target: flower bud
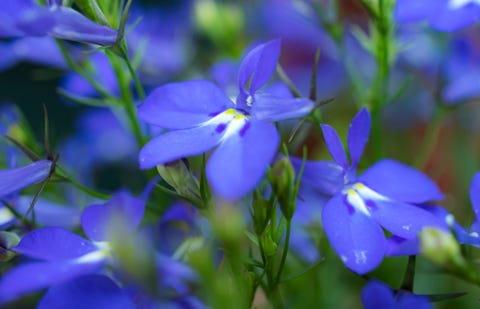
{"type": "Point", "coordinates": [7, 241]}
{"type": "Point", "coordinates": [441, 248]}
{"type": "Point", "coordinates": [282, 178]}
{"type": "Point", "coordinates": [260, 209]}
{"type": "Point", "coordinates": [177, 175]}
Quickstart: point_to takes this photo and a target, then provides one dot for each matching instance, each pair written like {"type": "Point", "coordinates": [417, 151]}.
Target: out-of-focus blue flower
{"type": "Point", "coordinates": [99, 69]}
{"type": "Point", "coordinates": [64, 255]}
{"type": "Point", "coordinates": [462, 71]}
{"type": "Point", "coordinates": [201, 117]}
{"type": "Point", "coordinates": [377, 295]}
{"type": "Point", "coordinates": [27, 18]}
{"type": "Point", "coordinates": [100, 138]}
{"type": "Point", "coordinates": [383, 196]}
{"type": "Point", "coordinates": [443, 15]}
{"type": "Point", "coordinates": [161, 38]}
{"type": "Point", "coordinates": [91, 291]}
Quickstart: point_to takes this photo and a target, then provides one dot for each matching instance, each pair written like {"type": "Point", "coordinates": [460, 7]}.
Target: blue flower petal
{"type": "Point", "coordinates": [48, 213]}
{"type": "Point", "coordinates": [475, 195]}
{"type": "Point", "coordinates": [240, 162]}
{"type": "Point", "coordinates": [402, 219]}
{"type": "Point", "coordinates": [178, 144]}
{"type": "Point", "coordinates": [96, 219]}
{"type": "Point", "coordinates": [16, 179]}
{"type": "Point", "coordinates": [92, 291]}
{"type": "Point", "coordinates": [358, 135]}
{"type": "Point", "coordinates": [258, 66]}
{"type": "Point", "coordinates": [448, 19]}
{"type": "Point", "coordinates": [183, 105]}
{"type": "Point", "coordinates": [54, 244]}
{"type": "Point", "coordinates": [356, 238]}
{"type": "Point", "coordinates": [408, 300]}
{"type": "Point", "coordinates": [334, 145]}
{"type": "Point", "coordinates": [414, 10]}
{"type": "Point", "coordinates": [325, 176]}
{"type": "Point", "coordinates": [32, 277]}
{"type": "Point", "coordinates": [270, 108]}
{"type": "Point", "coordinates": [73, 26]}
{"type": "Point", "coordinates": [376, 295]}
{"type": "Point", "coordinates": [400, 182]}
{"type": "Point", "coordinates": [398, 246]}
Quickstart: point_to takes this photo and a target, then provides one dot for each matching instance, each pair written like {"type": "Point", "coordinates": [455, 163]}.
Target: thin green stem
{"type": "Point", "coordinates": [127, 98]}
{"type": "Point", "coordinates": [284, 77]}
{"type": "Point", "coordinates": [138, 84]}
{"type": "Point", "coordinates": [75, 67]}
{"type": "Point", "coordinates": [432, 136]}
{"type": "Point", "coordinates": [409, 277]}
{"type": "Point", "coordinates": [59, 172]}
{"type": "Point", "coordinates": [284, 253]}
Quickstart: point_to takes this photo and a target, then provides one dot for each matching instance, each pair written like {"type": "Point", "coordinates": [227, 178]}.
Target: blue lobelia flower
{"type": "Point", "coordinates": [201, 117]}
{"type": "Point", "coordinates": [377, 295]}
{"type": "Point", "coordinates": [443, 15]}
{"type": "Point", "coordinates": [383, 196]}
{"type": "Point", "coordinates": [26, 18]}
{"type": "Point", "coordinates": [64, 255]}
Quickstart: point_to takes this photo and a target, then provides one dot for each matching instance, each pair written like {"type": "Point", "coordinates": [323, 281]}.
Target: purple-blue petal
{"type": "Point", "coordinates": [177, 144]}
{"type": "Point", "coordinates": [376, 295]}
{"type": "Point", "coordinates": [414, 10]}
{"type": "Point", "coordinates": [183, 105]}
{"type": "Point", "coordinates": [241, 160]}
{"type": "Point", "coordinates": [48, 213]}
{"type": "Point", "coordinates": [13, 180]}
{"type": "Point", "coordinates": [258, 66]}
{"type": "Point", "coordinates": [402, 219]}
{"type": "Point", "coordinates": [31, 277]}
{"type": "Point", "coordinates": [448, 19]}
{"type": "Point", "coordinates": [398, 246]}
{"type": "Point", "coordinates": [92, 291]}
{"type": "Point", "coordinates": [54, 244]}
{"type": "Point", "coordinates": [325, 176]}
{"type": "Point", "coordinates": [401, 182]}
{"type": "Point", "coordinates": [73, 26]}
{"type": "Point", "coordinates": [334, 145]}
{"type": "Point", "coordinates": [96, 219]}
{"type": "Point", "coordinates": [355, 237]}
{"type": "Point", "coordinates": [358, 135]}
{"type": "Point", "coordinates": [270, 108]}
{"type": "Point", "coordinates": [475, 195]}
{"type": "Point", "coordinates": [406, 300]}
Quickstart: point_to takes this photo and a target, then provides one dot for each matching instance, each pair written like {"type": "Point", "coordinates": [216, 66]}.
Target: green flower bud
{"type": "Point", "coordinates": [229, 225]}
{"type": "Point", "coordinates": [269, 245]}
{"type": "Point", "coordinates": [177, 175]}
{"type": "Point", "coordinates": [441, 248]}
{"type": "Point", "coordinates": [282, 178]}
{"type": "Point", "coordinates": [7, 241]}
{"type": "Point", "coordinates": [260, 209]}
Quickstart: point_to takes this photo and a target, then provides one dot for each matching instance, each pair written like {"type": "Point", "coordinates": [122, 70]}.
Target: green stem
{"type": "Point", "coordinates": [138, 84]}
{"type": "Point", "coordinates": [432, 136]}
{"type": "Point", "coordinates": [75, 67]}
{"type": "Point", "coordinates": [382, 41]}
{"type": "Point", "coordinates": [127, 98]}
{"type": "Point", "coordinates": [284, 253]}
{"type": "Point", "coordinates": [409, 277]}
{"type": "Point", "coordinates": [63, 175]}
{"type": "Point", "coordinates": [284, 77]}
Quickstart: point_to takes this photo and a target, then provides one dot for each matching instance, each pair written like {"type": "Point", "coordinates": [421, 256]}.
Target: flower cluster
{"type": "Point", "coordinates": [221, 154]}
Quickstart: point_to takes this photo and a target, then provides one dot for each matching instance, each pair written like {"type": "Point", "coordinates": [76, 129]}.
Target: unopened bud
{"type": "Point", "coordinates": [7, 241]}
{"type": "Point", "coordinates": [282, 178]}
{"type": "Point", "coordinates": [180, 178]}
{"type": "Point", "coordinates": [260, 209]}
{"type": "Point", "coordinates": [441, 248]}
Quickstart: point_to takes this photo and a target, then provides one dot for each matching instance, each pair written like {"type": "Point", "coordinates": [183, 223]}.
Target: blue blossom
{"type": "Point", "coordinates": [201, 117]}
{"type": "Point", "coordinates": [383, 196]}
{"type": "Point", "coordinates": [443, 15]}
{"type": "Point", "coordinates": [26, 18]}
{"type": "Point", "coordinates": [64, 255]}
{"type": "Point", "coordinates": [377, 295]}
